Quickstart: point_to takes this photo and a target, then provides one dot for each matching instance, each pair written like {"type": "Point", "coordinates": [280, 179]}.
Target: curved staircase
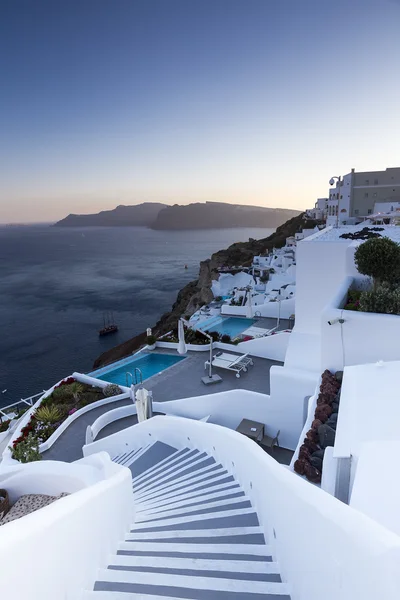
{"type": "Point", "coordinates": [195, 536]}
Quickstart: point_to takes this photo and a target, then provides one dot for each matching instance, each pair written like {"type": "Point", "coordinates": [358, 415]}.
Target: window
{"type": "Point", "coordinates": [366, 195]}
{"type": "Point", "coordinates": [341, 196]}
{"type": "Point", "coordinates": [370, 211]}
{"type": "Point", "coordinates": [356, 211]}
{"type": "Point", "coordinates": [375, 182]}
{"type": "Point", "coordinates": [337, 210]}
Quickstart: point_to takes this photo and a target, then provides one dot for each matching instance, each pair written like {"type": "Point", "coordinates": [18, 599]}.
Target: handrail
{"type": "Point", "coordinates": [28, 401]}
{"type": "Point", "coordinates": [134, 378]}
{"type": "Point", "coordinates": [140, 375]}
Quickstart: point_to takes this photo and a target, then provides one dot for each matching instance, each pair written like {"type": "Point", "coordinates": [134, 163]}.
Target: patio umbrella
{"type": "Point", "coordinates": [181, 337]}
{"type": "Point", "coordinates": [142, 403]}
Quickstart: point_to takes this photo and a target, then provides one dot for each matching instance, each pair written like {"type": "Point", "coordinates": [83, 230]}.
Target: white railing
{"type": "Point", "coordinates": [11, 410]}
{"type": "Point", "coordinates": [319, 542]}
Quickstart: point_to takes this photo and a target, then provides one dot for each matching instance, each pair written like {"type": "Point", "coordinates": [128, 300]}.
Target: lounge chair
{"type": "Point", "coordinates": [231, 362]}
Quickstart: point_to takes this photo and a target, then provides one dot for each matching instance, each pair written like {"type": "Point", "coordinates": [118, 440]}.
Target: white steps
{"type": "Point", "coordinates": [196, 535]}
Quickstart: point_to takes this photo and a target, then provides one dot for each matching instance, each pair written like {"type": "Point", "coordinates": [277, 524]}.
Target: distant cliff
{"type": "Point", "coordinates": [205, 215]}
{"type": "Point", "coordinates": [122, 216]}
{"type": "Point", "coordinates": [197, 293]}
{"type": "Point", "coordinates": [217, 215]}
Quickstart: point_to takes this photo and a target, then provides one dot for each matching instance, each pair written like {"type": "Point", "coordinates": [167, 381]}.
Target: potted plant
{"type": "Point", "coordinates": [151, 342]}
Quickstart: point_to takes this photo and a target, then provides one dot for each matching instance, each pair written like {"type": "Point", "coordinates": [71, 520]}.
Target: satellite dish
{"type": "Point", "coordinates": [331, 181]}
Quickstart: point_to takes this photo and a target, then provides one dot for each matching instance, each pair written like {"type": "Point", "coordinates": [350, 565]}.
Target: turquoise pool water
{"type": "Point", "coordinates": [232, 326]}
{"type": "Point", "coordinates": [149, 364]}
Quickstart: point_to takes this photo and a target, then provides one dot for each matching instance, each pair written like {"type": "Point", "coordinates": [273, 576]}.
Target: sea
{"type": "Point", "coordinates": [57, 283]}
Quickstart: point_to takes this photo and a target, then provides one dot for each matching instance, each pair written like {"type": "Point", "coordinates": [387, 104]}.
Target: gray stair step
{"type": "Point", "coordinates": [155, 454]}
{"type": "Point", "coordinates": [187, 479]}
{"type": "Point", "coordinates": [201, 588]}
{"type": "Point", "coordinates": [195, 464]}
{"type": "Point", "coordinates": [176, 497]}
{"type": "Point", "coordinates": [196, 510]}
{"type": "Point", "coordinates": [238, 519]}
{"type": "Point", "coordinates": [180, 457]}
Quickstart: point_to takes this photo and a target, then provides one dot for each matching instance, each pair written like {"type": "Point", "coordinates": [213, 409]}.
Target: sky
{"type": "Point", "coordinates": [107, 102]}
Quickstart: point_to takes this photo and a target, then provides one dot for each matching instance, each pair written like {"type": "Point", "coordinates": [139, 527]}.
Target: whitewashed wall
{"type": "Point", "coordinates": [362, 338]}
{"type": "Point", "coordinates": [268, 309]}
{"type": "Point", "coordinates": [55, 553]}
{"type": "Point", "coordinates": [323, 546]}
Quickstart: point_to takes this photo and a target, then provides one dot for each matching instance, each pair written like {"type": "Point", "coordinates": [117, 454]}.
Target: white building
{"type": "Point", "coordinates": [353, 196]}
{"type": "Point", "coordinates": [185, 506]}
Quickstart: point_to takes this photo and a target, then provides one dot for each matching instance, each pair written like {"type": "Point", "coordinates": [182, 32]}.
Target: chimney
{"type": "Point", "coordinates": [352, 170]}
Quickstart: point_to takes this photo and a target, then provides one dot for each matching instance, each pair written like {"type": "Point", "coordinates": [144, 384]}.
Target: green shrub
{"type": "Point", "coordinates": [383, 299]}
{"type": "Point", "coordinates": [379, 258]}
{"type": "Point", "coordinates": [26, 450]}
{"type": "Point", "coordinates": [4, 425]}
{"type": "Point", "coordinates": [151, 340]}
{"type": "Point", "coordinates": [226, 339]}
{"type": "Point", "coordinates": [112, 390]}
{"type": "Point", "coordinates": [48, 414]}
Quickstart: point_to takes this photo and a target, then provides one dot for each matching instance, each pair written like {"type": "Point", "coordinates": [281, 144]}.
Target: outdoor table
{"type": "Point", "coordinates": [251, 429]}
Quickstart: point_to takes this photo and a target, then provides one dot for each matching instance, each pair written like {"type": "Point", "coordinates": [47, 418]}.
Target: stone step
{"type": "Point", "coordinates": [242, 567]}
{"type": "Point", "coordinates": [135, 581]}
{"type": "Point", "coordinates": [180, 470]}
{"type": "Point", "coordinates": [232, 535]}
{"type": "Point", "coordinates": [215, 491]}
{"type": "Point", "coordinates": [182, 479]}
{"type": "Point", "coordinates": [211, 549]}
{"type": "Point", "coordinates": [205, 480]}
{"type": "Point", "coordinates": [209, 508]}
{"type": "Point", "coordinates": [157, 452]}
{"type": "Point", "coordinates": [179, 457]}
{"type": "Point", "coordinates": [197, 521]}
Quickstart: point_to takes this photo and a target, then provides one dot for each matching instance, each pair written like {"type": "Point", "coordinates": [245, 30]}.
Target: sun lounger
{"type": "Point", "coordinates": [231, 362]}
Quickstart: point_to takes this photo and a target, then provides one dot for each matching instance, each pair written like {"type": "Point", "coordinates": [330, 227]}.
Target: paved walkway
{"type": "Point", "coordinates": [182, 380]}
{"type": "Point", "coordinates": [68, 447]}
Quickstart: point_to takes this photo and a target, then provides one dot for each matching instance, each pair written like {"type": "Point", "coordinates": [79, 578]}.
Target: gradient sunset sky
{"type": "Point", "coordinates": [107, 102]}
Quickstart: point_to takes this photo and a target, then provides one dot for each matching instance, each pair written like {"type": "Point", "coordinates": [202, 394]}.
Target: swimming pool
{"type": "Point", "coordinates": [149, 365]}
{"type": "Point", "coordinates": [232, 326]}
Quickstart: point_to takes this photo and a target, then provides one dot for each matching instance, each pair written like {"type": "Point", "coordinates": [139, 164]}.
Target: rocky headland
{"type": "Point", "coordinates": [200, 215]}
{"type": "Point", "coordinates": [197, 293]}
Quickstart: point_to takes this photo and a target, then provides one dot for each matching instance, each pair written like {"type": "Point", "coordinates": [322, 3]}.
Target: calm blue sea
{"type": "Point", "coordinates": [56, 283]}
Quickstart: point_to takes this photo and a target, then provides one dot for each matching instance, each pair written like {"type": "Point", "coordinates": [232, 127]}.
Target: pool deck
{"type": "Point", "coordinates": [182, 380]}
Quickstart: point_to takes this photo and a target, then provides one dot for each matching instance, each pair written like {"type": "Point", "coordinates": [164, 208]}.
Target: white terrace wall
{"type": "Point", "coordinates": [324, 547]}
{"type": "Point", "coordinates": [362, 338]}
{"type": "Point", "coordinates": [55, 553]}
{"type": "Point", "coordinates": [268, 309]}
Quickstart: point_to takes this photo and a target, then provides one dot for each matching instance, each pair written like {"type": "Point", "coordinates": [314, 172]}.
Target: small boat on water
{"type": "Point", "coordinates": [109, 325]}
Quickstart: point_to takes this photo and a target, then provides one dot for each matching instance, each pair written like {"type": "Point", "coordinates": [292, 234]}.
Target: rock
{"type": "Point", "coordinates": [300, 465]}
{"type": "Point", "coordinates": [339, 376]}
{"type": "Point", "coordinates": [316, 462]}
{"type": "Point", "coordinates": [319, 453]}
{"type": "Point", "coordinates": [316, 423]}
{"type": "Point", "coordinates": [332, 421]}
{"type": "Point", "coordinates": [312, 473]}
{"type": "Point", "coordinates": [323, 412]}
{"type": "Point", "coordinates": [312, 435]}
{"type": "Point", "coordinates": [335, 407]}
{"type": "Point", "coordinates": [304, 453]}
{"type": "Point", "coordinates": [326, 436]}
{"type": "Point", "coordinates": [312, 446]}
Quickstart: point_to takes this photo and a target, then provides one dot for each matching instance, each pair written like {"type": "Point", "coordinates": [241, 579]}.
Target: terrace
{"type": "Point", "coordinates": [180, 381]}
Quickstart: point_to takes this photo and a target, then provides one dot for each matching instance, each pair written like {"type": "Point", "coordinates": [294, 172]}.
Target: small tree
{"type": "Point", "coordinates": [380, 259]}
